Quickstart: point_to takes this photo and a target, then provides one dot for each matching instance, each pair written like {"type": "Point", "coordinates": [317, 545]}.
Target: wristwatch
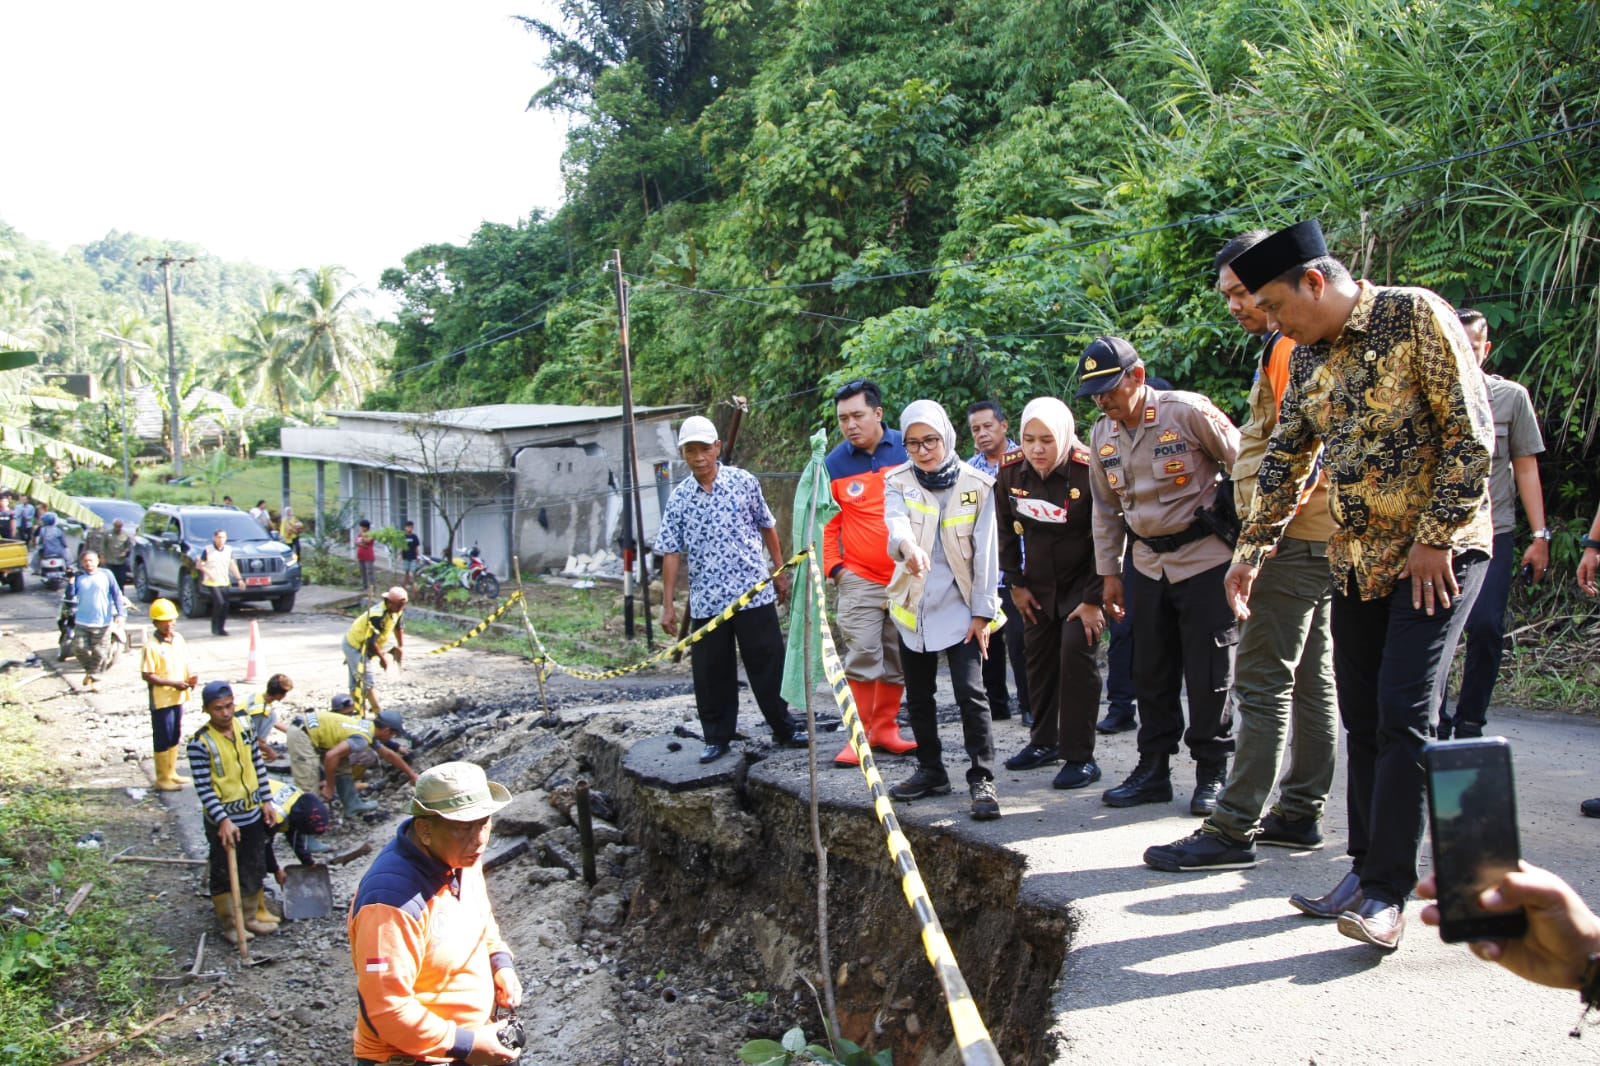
{"type": "Point", "coordinates": [1588, 542]}
{"type": "Point", "coordinates": [1542, 534]}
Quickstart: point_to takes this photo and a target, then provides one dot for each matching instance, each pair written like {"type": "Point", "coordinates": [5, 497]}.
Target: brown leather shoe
{"type": "Point", "coordinates": [1376, 922]}
{"type": "Point", "coordinates": [1346, 896]}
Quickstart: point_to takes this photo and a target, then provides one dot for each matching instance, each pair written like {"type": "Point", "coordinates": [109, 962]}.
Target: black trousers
{"type": "Point", "coordinates": [252, 858]}
{"type": "Point", "coordinates": [1485, 637]}
{"type": "Point", "coordinates": [994, 667]}
{"type": "Point", "coordinates": [219, 609]}
{"type": "Point", "coordinates": [1387, 657]}
{"type": "Point", "coordinates": [966, 678]}
{"type": "Point", "coordinates": [1065, 683]}
{"type": "Point", "coordinates": [1184, 637]}
{"type": "Point", "coordinates": [716, 673]}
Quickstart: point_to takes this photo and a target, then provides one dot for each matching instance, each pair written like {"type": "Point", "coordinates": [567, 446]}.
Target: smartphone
{"type": "Point", "coordinates": [1472, 806]}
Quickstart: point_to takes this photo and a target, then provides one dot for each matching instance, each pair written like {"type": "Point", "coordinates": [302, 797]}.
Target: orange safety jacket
{"type": "Point", "coordinates": [425, 947]}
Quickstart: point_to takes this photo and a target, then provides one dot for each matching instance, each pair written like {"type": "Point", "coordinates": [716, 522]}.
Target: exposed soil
{"type": "Point", "coordinates": [679, 953]}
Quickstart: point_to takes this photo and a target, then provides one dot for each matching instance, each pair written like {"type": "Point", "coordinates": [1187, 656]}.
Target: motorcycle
{"type": "Point", "coordinates": [471, 573]}
{"type": "Point", "coordinates": [53, 571]}
{"type": "Point", "coordinates": [67, 617]}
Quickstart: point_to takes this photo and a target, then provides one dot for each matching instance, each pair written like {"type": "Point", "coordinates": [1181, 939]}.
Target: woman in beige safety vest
{"type": "Point", "coordinates": [940, 517]}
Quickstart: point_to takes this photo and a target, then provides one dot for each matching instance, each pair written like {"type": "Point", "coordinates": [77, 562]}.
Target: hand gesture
{"type": "Point", "coordinates": [228, 834]}
{"type": "Point", "coordinates": [1433, 582]}
{"type": "Point", "coordinates": [917, 561]}
{"type": "Point", "coordinates": [1111, 598]}
{"type": "Point", "coordinates": [1027, 603]}
{"type": "Point", "coordinates": [978, 629]}
{"type": "Point", "coordinates": [1093, 619]}
{"type": "Point", "coordinates": [1562, 931]}
{"type": "Point", "coordinates": [507, 988]}
{"type": "Point", "coordinates": [1236, 586]}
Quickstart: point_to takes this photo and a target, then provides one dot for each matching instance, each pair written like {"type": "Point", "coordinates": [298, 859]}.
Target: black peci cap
{"type": "Point", "coordinates": [1283, 250]}
{"type": "Point", "coordinates": [1103, 364]}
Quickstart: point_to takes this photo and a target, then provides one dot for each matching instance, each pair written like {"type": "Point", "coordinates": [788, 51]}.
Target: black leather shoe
{"type": "Point", "coordinates": [713, 752]}
{"type": "Point", "coordinates": [1346, 896]}
{"type": "Point", "coordinates": [797, 739]}
{"type": "Point", "coordinates": [1590, 808]}
{"type": "Point", "coordinates": [1208, 781]}
{"type": "Point", "coordinates": [1376, 922]}
{"type": "Point", "coordinates": [1032, 757]}
{"type": "Point", "coordinates": [1077, 775]}
{"type": "Point", "coordinates": [1150, 782]}
{"type": "Point", "coordinates": [1117, 722]}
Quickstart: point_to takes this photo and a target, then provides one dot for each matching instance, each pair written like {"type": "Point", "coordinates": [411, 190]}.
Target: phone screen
{"type": "Point", "coordinates": [1472, 800]}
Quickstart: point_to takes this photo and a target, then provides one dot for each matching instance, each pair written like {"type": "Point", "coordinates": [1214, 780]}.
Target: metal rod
{"type": "Point", "coordinates": [585, 831]}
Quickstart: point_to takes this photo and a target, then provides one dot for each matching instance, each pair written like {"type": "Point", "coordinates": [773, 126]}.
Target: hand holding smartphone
{"type": "Point", "coordinates": [1472, 810]}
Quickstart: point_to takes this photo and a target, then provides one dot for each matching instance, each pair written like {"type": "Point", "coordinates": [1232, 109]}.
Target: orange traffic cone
{"type": "Point", "coordinates": [255, 667]}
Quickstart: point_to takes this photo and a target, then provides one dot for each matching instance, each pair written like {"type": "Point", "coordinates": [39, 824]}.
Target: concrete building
{"type": "Point", "coordinates": [541, 481]}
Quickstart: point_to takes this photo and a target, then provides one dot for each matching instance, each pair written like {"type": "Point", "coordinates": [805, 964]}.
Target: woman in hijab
{"type": "Point", "coordinates": [1043, 514]}
{"type": "Point", "coordinates": [940, 516]}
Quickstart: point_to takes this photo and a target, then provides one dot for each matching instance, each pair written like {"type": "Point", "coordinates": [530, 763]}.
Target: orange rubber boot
{"type": "Point", "coordinates": [885, 730]}
{"type": "Point", "coordinates": [865, 693]}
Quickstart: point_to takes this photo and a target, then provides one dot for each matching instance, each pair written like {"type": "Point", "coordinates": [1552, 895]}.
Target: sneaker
{"type": "Point", "coordinates": [922, 783]}
{"type": "Point", "coordinates": [1278, 831]}
{"type": "Point", "coordinates": [1077, 775]}
{"type": "Point", "coordinates": [1204, 849]}
{"type": "Point", "coordinates": [1032, 757]}
{"type": "Point", "coordinates": [985, 802]}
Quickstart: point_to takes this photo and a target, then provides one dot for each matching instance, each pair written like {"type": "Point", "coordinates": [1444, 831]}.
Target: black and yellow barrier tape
{"type": "Point", "coordinates": [972, 1036]}
{"type": "Point", "coordinates": [478, 629]}
{"type": "Point", "coordinates": [547, 663]}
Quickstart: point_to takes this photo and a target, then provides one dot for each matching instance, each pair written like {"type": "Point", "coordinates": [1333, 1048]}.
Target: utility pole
{"type": "Point", "coordinates": [166, 263]}
{"type": "Point", "coordinates": [632, 508]}
{"type": "Point", "coordinates": [122, 387]}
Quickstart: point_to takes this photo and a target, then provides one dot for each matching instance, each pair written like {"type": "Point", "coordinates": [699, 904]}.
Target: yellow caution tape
{"type": "Point", "coordinates": [547, 663]}
{"type": "Point", "coordinates": [478, 629]}
{"type": "Point", "coordinates": [972, 1036]}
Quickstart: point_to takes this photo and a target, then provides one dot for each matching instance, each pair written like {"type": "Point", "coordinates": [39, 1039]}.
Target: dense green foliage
{"type": "Point", "coordinates": [288, 344]}
{"type": "Point", "coordinates": [955, 197]}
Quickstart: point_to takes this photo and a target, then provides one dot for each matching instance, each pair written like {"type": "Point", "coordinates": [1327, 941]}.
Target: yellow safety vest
{"type": "Point", "coordinates": [377, 621]}
{"type": "Point", "coordinates": [233, 772]}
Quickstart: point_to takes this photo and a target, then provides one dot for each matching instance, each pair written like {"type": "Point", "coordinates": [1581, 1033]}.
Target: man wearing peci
{"type": "Point", "coordinates": [1384, 384]}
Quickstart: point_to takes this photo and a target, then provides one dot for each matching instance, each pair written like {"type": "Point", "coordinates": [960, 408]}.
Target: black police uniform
{"type": "Point", "coordinates": [1053, 516]}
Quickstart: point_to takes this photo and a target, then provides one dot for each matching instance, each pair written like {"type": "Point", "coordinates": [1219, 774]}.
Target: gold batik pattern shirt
{"type": "Point", "coordinates": [1398, 405]}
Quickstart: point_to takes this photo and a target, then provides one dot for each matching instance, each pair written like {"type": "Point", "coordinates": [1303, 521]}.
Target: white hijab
{"type": "Point", "coordinates": [1055, 417]}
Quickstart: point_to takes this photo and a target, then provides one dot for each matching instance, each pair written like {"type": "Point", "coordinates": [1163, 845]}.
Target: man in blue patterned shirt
{"type": "Point", "coordinates": [720, 521]}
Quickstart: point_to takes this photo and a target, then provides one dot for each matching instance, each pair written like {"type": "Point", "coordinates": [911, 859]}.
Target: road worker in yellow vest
{"type": "Point", "coordinates": [231, 782]}
{"type": "Point", "coordinates": [373, 631]}
{"type": "Point", "coordinates": [324, 744]}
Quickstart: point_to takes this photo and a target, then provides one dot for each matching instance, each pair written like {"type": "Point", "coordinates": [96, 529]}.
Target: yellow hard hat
{"type": "Point", "coordinates": [163, 611]}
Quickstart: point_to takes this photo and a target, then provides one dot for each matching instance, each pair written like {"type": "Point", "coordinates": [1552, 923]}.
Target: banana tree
{"type": "Point", "coordinates": [19, 438]}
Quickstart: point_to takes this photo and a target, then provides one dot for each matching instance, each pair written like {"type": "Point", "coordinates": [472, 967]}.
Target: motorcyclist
{"type": "Point", "coordinates": [52, 541]}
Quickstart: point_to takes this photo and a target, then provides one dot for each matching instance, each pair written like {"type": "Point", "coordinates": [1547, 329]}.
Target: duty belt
{"type": "Point", "coordinates": [1173, 541]}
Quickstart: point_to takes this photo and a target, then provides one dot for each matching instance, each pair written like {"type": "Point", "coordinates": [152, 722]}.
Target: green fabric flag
{"type": "Point", "coordinates": [814, 489]}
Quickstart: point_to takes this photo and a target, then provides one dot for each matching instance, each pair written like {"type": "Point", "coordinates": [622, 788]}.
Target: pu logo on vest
{"type": "Point", "coordinates": [969, 499]}
{"type": "Point", "coordinates": [855, 488]}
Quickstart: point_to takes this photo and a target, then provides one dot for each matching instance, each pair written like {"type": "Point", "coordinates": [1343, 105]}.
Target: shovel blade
{"type": "Point", "coordinates": [307, 893]}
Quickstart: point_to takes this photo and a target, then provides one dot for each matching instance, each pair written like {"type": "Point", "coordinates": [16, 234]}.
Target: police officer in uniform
{"type": "Point", "coordinates": [1043, 509]}
{"type": "Point", "coordinates": [1157, 459]}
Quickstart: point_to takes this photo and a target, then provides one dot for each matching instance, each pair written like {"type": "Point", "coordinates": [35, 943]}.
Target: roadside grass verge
{"type": "Point", "coordinates": [580, 627]}
{"type": "Point", "coordinates": [65, 982]}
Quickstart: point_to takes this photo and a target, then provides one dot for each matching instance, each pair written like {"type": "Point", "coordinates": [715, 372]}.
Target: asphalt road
{"type": "Point", "coordinates": [1163, 968]}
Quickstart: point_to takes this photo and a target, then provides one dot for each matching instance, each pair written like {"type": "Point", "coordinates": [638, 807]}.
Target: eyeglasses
{"type": "Point", "coordinates": [925, 444]}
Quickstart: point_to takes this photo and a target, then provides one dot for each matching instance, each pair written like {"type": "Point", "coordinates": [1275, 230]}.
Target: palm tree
{"type": "Point", "coordinates": [330, 334]}
{"type": "Point", "coordinates": [265, 351]}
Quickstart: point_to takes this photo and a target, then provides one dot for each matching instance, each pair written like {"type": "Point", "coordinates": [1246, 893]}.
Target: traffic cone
{"type": "Point", "coordinates": [255, 667]}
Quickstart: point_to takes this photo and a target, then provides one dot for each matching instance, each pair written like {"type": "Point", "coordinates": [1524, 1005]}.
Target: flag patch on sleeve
{"type": "Point", "coordinates": [378, 965]}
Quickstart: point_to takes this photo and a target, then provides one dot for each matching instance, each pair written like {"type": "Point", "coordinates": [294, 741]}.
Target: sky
{"type": "Point", "coordinates": [291, 135]}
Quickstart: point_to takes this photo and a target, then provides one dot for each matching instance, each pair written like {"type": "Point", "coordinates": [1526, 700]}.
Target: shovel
{"type": "Point", "coordinates": [307, 892]}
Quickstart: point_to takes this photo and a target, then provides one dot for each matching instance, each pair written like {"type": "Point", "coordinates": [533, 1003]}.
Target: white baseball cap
{"type": "Point", "coordinates": [697, 429]}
